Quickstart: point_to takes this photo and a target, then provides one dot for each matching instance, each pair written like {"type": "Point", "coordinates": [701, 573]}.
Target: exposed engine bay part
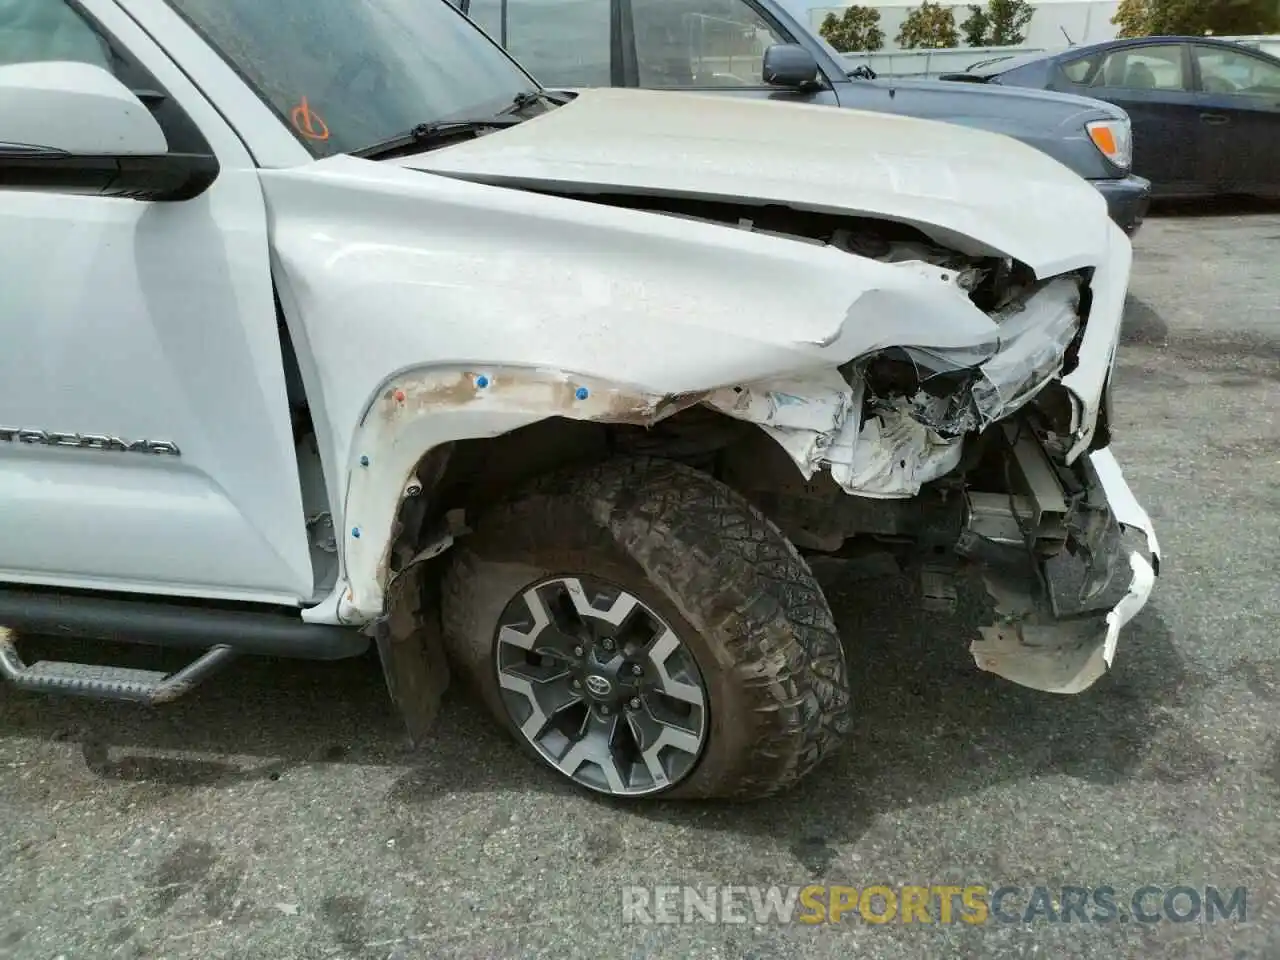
{"type": "Point", "coordinates": [1066, 554]}
{"type": "Point", "coordinates": [822, 421]}
{"type": "Point", "coordinates": [887, 424]}
{"type": "Point", "coordinates": [1057, 628]}
{"type": "Point", "coordinates": [991, 281]}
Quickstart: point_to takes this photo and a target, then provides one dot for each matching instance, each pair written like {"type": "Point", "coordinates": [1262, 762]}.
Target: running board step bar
{"type": "Point", "coordinates": [268, 632]}
{"type": "Point", "coordinates": [108, 683]}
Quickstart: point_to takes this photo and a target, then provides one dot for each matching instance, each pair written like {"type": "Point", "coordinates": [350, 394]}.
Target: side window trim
{"type": "Point", "coordinates": [773, 24]}
{"type": "Point", "coordinates": [1190, 70]}
{"type": "Point", "coordinates": [1190, 75]}
{"type": "Point", "coordinates": [786, 36]}
{"type": "Point", "coordinates": [624, 61]}
{"type": "Point", "coordinates": [628, 69]}
{"type": "Point", "coordinates": [1197, 75]}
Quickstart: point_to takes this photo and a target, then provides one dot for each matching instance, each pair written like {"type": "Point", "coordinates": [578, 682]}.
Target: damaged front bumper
{"type": "Point", "coordinates": [1069, 559]}
{"type": "Point", "coordinates": [1063, 547]}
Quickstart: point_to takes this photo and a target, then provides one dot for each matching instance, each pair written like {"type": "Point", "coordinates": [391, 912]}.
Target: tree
{"type": "Point", "coordinates": [1131, 18]}
{"type": "Point", "coordinates": [1148, 18]}
{"type": "Point", "coordinates": [857, 29]}
{"type": "Point", "coordinates": [1002, 24]}
{"type": "Point", "coordinates": [976, 27]}
{"type": "Point", "coordinates": [929, 25]}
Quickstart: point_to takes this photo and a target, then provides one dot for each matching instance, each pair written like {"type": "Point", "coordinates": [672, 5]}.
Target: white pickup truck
{"type": "Point", "coordinates": [326, 323]}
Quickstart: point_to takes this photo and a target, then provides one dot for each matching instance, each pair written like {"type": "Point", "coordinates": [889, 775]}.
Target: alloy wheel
{"type": "Point", "coordinates": [601, 686]}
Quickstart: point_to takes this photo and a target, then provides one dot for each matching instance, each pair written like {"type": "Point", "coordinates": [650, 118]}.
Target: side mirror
{"type": "Point", "coordinates": [74, 109]}
{"type": "Point", "coordinates": [72, 127]}
{"type": "Point", "coordinates": [790, 65]}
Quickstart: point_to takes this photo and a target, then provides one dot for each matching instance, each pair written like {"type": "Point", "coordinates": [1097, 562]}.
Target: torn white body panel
{"type": "Point", "coordinates": [819, 423]}
{"type": "Point", "coordinates": [668, 305]}
{"type": "Point", "coordinates": [907, 441]}
{"type": "Point", "coordinates": [891, 456]}
{"type": "Point", "coordinates": [805, 415]}
{"type": "Point", "coordinates": [1034, 338]}
{"type": "Point", "coordinates": [1123, 503]}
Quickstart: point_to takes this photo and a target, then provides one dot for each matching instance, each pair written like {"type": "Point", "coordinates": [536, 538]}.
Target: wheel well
{"type": "Point", "coordinates": [814, 513]}
{"type": "Point", "coordinates": [471, 474]}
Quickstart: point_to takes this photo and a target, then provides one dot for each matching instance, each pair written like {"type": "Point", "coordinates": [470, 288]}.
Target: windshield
{"type": "Point", "coordinates": [344, 74]}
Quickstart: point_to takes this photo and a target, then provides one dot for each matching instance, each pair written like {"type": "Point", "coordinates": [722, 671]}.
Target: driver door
{"type": "Point", "coordinates": [145, 441]}
{"type": "Point", "coordinates": [1239, 118]}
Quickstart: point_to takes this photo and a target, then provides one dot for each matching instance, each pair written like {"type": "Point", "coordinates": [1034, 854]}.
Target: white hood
{"type": "Point", "coordinates": [952, 181]}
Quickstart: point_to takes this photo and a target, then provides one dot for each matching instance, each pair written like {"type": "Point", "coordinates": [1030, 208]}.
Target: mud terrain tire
{"type": "Point", "coordinates": [723, 577]}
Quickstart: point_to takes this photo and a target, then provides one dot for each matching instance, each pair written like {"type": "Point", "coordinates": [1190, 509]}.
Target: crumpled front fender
{"type": "Point", "coordinates": [422, 408]}
{"type": "Point", "coordinates": [381, 268]}
{"type": "Point", "coordinates": [397, 281]}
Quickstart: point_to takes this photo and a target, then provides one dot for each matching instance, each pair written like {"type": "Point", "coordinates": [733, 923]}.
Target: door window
{"type": "Point", "coordinates": [562, 43]}
{"type": "Point", "coordinates": [1157, 67]}
{"type": "Point", "coordinates": [1239, 73]}
{"type": "Point", "coordinates": [701, 43]}
{"type": "Point", "coordinates": [39, 31]}
{"type": "Point", "coordinates": [1079, 71]}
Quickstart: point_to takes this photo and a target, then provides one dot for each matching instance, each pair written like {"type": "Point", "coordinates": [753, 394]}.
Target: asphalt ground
{"type": "Point", "coordinates": [277, 813]}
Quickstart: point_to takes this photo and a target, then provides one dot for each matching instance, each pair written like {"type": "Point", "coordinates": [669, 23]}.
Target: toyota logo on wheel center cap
{"type": "Point", "coordinates": [598, 686]}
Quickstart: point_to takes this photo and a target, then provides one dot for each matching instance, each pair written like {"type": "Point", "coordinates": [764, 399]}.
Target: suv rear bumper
{"type": "Point", "coordinates": [1128, 200]}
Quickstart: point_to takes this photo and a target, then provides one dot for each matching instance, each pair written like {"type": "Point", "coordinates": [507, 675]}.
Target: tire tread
{"type": "Point", "coordinates": [736, 578]}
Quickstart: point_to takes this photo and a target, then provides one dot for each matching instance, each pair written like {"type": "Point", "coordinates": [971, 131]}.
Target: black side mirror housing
{"type": "Point", "coordinates": [790, 65]}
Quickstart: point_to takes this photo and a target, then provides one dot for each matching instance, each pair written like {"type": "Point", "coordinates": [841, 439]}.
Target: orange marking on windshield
{"type": "Point", "coordinates": [309, 123]}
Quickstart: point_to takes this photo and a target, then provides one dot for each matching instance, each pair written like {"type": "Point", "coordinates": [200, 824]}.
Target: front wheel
{"type": "Point", "coordinates": [642, 629]}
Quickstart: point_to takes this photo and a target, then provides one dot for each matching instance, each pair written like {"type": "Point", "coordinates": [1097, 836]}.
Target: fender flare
{"type": "Point", "coordinates": [420, 408]}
